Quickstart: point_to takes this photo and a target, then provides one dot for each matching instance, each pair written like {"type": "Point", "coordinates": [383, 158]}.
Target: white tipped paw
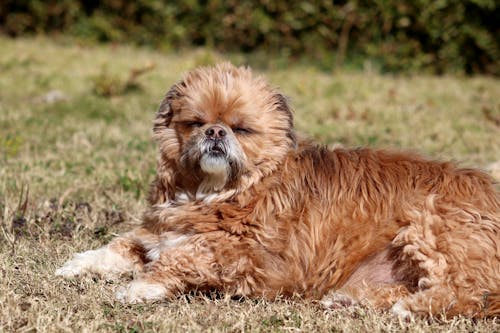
{"type": "Point", "coordinates": [400, 310]}
{"type": "Point", "coordinates": [68, 270]}
{"type": "Point", "coordinates": [140, 291]}
{"type": "Point", "coordinates": [76, 266]}
{"type": "Point", "coordinates": [103, 261]}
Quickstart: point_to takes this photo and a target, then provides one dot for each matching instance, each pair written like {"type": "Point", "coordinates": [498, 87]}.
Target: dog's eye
{"type": "Point", "coordinates": [242, 130]}
{"type": "Point", "coordinates": [193, 123]}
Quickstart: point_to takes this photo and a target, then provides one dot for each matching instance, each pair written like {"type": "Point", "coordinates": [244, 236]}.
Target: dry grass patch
{"type": "Point", "coordinates": [76, 158]}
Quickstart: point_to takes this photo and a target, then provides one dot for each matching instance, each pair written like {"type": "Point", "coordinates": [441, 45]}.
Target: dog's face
{"type": "Point", "coordinates": [220, 126]}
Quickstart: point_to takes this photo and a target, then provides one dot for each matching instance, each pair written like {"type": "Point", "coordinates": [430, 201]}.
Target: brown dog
{"type": "Point", "coordinates": [243, 206]}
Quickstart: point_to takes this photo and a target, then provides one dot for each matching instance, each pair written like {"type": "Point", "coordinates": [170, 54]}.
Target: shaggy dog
{"type": "Point", "coordinates": [242, 206]}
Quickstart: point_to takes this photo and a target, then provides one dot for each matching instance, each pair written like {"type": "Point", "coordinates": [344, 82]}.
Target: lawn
{"type": "Point", "coordinates": [76, 157]}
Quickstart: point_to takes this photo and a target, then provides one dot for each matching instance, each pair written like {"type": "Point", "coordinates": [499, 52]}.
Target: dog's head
{"type": "Point", "coordinates": [221, 128]}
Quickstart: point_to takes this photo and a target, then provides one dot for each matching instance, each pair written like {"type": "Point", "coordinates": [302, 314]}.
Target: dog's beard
{"type": "Point", "coordinates": [214, 156]}
{"type": "Point", "coordinates": [220, 161]}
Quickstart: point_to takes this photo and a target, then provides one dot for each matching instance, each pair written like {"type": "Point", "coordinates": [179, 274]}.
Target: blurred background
{"type": "Point", "coordinates": [434, 36]}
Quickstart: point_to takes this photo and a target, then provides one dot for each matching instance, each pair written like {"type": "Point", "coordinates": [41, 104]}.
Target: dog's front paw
{"type": "Point", "coordinates": [104, 262]}
{"type": "Point", "coordinates": [80, 264]}
{"type": "Point", "coordinates": [68, 270]}
{"type": "Point", "coordinates": [140, 291]}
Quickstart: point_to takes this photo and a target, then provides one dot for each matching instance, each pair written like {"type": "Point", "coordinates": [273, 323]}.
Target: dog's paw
{"type": "Point", "coordinates": [400, 311]}
{"type": "Point", "coordinates": [140, 291]}
{"type": "Point", "coordinates": [68, 270]}
{"type": "Point", "coordinates": [79, 265]}
{"type": "Point", "coordinates": [338, 300]}
{"type": "Point", "coordinates": [104, 262]}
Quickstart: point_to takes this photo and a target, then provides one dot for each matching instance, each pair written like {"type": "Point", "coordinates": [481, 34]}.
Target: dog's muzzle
{"type": "Point", "coordinates": [216, 141]}
{"type": "Point", "coordinates": [217, 148]}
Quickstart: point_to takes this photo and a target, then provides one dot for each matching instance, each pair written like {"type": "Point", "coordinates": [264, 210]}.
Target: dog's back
{"type": "Point", "coordinates": [436, 225]}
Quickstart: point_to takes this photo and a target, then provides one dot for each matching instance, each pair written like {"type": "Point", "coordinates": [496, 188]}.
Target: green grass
{"type": "Point", "coordinates": [74, 171]}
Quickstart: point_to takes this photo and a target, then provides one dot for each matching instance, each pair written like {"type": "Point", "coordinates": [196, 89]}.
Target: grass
{"type": "Point", "coordinates": [76, 158]}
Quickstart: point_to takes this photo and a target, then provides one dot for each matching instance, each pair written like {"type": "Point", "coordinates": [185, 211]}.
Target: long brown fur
{"type": "Point", "coordinates": [390, 229]}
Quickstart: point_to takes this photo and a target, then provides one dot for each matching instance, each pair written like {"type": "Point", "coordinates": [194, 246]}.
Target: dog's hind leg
{"type": "Point", "coordinates": [124, 254]}
{"type": "Point", "coordinates": [457, 250]}
{"type": "Point", "coordinates": [440, 300]}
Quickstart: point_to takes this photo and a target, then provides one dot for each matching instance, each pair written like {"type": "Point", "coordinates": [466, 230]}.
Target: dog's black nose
{"type": "Point", "coordinates": [215, 131]}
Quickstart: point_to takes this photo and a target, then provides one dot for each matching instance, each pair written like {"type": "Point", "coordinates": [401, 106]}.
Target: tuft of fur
{"type": "Point", "coordinates": [258, 212]}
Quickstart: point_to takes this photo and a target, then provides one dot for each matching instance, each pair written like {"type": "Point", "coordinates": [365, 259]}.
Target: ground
{"type": "Point", "coordinates": [76, 157]}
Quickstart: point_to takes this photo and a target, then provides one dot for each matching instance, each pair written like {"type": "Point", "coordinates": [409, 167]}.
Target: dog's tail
{"type": "Point", "coordinates": [491, 305]}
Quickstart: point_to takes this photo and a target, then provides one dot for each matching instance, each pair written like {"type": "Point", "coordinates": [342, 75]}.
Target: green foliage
{"type": "Point", "coordinates": [436, 35]}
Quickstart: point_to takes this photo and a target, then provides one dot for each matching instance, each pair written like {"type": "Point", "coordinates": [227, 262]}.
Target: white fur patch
{"type": "Point", "coordinates": [214, 165]}
{"type": "Point", "coordinates": [139, 291]}
{"type": "Point", "coordinates": [171, 241]}
{"type": "Point", "coordinates": [153, 254]}
{"type": "Point", "coordinates": [207, 198]}
{"type": "Point", "coordinates": [400, 310]}
{"type": "Point", "coordinates": [181, 197]}
{"type": "Point", "coordinates": [337, 299]}
{"type": "Point", "coordinates": [102, 261]}
{"type": "Point", "coordinates": [217, 172]}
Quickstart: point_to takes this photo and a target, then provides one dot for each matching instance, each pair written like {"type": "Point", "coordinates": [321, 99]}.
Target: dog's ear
{"type": "Point", "coordinates": [282, 105]}
{"type": "Point", "coordinates": [165, 111]}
